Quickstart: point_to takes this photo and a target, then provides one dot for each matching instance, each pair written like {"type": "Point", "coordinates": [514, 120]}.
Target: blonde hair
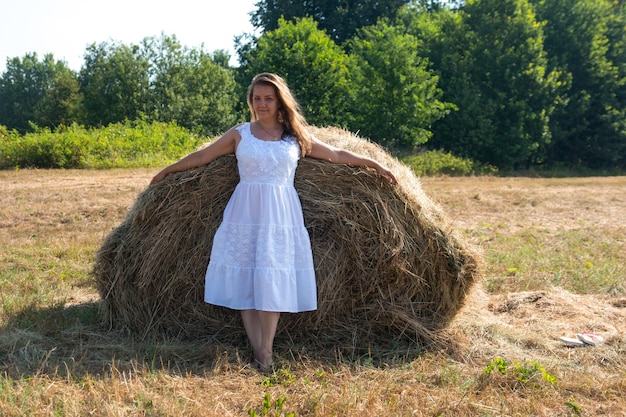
{"type": "Point", "coordinates": [289, 111]}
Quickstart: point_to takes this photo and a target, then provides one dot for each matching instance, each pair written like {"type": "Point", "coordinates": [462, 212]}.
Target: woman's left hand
{"type": "Point", "coordinates": [388, 175]}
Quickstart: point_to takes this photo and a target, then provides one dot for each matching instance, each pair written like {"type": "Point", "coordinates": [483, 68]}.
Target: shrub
{"type": "Point", "coordinates": [118, 145]}
{"type": "Point", "coordinates": [444, 163]}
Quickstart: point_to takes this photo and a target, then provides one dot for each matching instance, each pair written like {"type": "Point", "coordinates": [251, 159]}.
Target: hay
{"type": "Point", "coordinates": [388, 265]}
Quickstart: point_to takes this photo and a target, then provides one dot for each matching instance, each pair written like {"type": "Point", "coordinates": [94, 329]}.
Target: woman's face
{"type": "Point", "coordinates": [265, 102]}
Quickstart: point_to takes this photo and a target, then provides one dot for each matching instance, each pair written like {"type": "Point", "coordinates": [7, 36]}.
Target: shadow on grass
{"type": "Point", "coordinates": [72, 341]}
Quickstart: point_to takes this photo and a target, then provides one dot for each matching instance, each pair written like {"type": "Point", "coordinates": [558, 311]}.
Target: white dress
{"type": "Point", "coordinates": [261, 257]}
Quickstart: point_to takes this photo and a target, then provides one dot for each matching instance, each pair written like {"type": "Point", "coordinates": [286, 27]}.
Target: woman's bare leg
{"type": "Point", "coordinates": [261, 328]}
{"type": "Point", "coordinates": [269, 323]}
{"type": "Point", "coordinates": [253, 329]}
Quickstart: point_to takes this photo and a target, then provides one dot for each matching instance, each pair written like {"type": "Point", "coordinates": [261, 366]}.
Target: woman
{"type": "Point", "coordinates": [261, 261]}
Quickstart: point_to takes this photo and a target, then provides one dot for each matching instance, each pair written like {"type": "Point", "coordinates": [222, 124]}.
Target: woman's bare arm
{"type": "Point", "coordinates": [225, 145]}
{"type": "Point", "coordinates": [321, 150]}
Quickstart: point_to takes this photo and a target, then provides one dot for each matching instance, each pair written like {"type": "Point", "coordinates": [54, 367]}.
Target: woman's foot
{"type": "Point", "coordinates": [264, 368]}
{"type": "Point", "coordinates": [264, 364]}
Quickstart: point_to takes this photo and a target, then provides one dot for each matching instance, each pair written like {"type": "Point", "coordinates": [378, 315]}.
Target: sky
{"type": "Point", "coordinates": [65, 28]}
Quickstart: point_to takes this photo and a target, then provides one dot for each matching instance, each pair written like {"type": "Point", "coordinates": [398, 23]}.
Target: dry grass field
{"type": "Point", "coordinates": [555, 259]}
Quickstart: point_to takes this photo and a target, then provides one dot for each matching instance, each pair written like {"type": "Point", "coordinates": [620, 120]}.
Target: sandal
{"type": "Point", "coordinates": [590, 338]}
{"type": "Point", "coordinates": [570, 341]}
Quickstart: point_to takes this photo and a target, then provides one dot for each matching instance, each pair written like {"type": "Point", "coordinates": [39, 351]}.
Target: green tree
{"type": "Point", "coordinates": [114, 82]}
{"type": "Point", "coordinates": [340, 19]}
{"type": "Point", "coordinates": [41, 92]}
{"type": "Point", "coordinates": [159, 80]}
{"type": "Point", "coordinates": [316, 69]}
{"type": "Point", "coordinates": [586, 39]}
{"type": "Point", "coordinates": [398, 99]}
{"type": "Point", "coordinates": [493, 67]}
{"type": "Point", "coordinates": [62, 101]}
{"type": "Point", "coordinates": [188, 87]}
{"type": "Point", "coordinates": [222, 58]}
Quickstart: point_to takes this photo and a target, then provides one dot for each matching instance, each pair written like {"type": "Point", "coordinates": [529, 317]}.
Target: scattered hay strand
{"type": "Point", "coordinates": [387, 262]}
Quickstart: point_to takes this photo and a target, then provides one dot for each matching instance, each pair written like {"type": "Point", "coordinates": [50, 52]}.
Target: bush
{"type": "Point", "coordinates": [119, 145]}
{"type": "Point", "coordinates": [444, 163]}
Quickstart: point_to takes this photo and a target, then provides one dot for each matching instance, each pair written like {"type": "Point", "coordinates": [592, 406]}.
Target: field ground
{"type": "Point", "coordinates": [555, 266]}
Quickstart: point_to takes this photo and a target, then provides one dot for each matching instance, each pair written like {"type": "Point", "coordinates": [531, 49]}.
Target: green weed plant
{"type": "Point", "coordinates": [525, 372]}
{"type": "Point", "coordinates": [271, 407]}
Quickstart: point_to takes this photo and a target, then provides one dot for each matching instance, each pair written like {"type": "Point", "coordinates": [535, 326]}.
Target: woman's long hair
{"type": "Point", "coordinates": [289, 112]}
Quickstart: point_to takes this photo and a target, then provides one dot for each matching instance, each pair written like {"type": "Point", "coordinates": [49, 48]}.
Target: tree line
{"type": "Point", "coordinates": [510, 83]}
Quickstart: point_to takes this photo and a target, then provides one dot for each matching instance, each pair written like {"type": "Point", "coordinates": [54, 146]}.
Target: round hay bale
{"type": "Point", "coordinates": [388, 265]}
